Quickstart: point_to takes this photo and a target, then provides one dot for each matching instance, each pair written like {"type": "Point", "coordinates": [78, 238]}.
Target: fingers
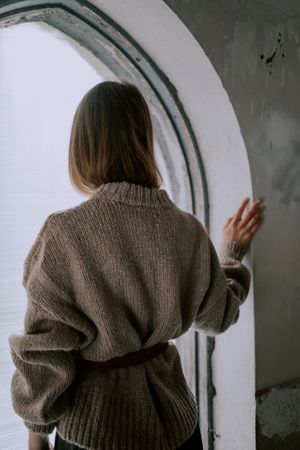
{"type": "Point", "coordinates": [228, 221]}
{"type": "Point", "coordinates": [254, 212]}
{"type": "Point", "coordinates": [247, 225]}
{"type": "Point", "coordinates": [240, 211]}
{"type": "Point", "coordinates": [251, 232]}
{"type": "Point", "coordinates": [245, 228]}
{"type": "Point", "coordinates": [253, 225]}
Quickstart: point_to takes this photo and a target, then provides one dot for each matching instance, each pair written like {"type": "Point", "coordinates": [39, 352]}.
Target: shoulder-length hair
{"type": "Point", "coordinates": [112, 138]}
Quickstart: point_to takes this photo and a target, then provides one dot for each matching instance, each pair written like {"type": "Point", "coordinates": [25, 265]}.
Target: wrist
{"type": "Point", "coordinates": [233, 249]}
{"type": "Point", "coordinates": [37, 441]}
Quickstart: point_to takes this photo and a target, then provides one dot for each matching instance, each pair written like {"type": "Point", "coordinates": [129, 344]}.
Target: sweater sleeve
{"type": "Point", "coordinates": [54, 327]}
{"type": "Point", "coordinates": [227, 288]}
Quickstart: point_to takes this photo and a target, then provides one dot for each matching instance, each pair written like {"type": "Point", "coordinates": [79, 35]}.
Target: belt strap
{"type": "Point", "coordinates": [123, 361]}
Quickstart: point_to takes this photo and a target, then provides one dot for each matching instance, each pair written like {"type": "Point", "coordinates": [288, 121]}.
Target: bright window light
{"type": "Point", "coordinates": [43, 76]}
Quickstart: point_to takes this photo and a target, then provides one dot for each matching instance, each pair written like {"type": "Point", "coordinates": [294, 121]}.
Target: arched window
{"type": "Point", "coordinates": [188, 106]}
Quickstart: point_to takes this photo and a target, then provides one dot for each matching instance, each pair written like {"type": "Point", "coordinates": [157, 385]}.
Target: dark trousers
{"type": "Point", "coordinates": [194, 442]}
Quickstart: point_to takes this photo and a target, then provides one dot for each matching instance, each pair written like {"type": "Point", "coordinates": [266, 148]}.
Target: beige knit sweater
{"type": "Point", "coordinates": [121, 271]}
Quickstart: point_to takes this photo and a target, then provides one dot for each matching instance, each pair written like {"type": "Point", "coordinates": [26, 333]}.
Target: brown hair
{"type": "Point", "coordinates": [112, 138]}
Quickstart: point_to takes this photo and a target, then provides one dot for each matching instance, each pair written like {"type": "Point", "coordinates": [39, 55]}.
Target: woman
{"type": "Point", "coordinates": [110, 282]}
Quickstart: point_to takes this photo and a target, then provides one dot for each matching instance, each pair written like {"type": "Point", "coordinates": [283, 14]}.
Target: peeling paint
{"type": "Point", "coordinates": [278, 411]}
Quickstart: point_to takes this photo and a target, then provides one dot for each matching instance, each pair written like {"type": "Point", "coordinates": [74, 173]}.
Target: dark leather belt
{"type": "Point", "coordinates": [123, 361]}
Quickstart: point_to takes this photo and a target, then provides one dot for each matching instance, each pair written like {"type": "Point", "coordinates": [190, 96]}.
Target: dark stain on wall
{"type": "Point", "coordinates": [270, 61]}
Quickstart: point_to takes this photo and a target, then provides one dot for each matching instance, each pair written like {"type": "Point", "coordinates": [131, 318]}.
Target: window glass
{"type": "Point", "coordinates": [43, 76]}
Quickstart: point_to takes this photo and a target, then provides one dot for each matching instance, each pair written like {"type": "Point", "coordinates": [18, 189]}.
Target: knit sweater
{"type": "Point", "coordinates": [123, 270]}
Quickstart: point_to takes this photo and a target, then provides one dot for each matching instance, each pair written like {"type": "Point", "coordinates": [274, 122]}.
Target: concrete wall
{"type": "Point", "coordinates": [254, 47]}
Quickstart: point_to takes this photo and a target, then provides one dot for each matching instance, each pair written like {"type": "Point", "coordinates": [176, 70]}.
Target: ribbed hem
{"type": "Point", "coordinates": [43, 430]}
{"type": "Point", "coordinates": [133, 194]}
{"type": "Point", "coordinates": [233, 249]}
{"type": "Point", "coordinates": [99, 422]}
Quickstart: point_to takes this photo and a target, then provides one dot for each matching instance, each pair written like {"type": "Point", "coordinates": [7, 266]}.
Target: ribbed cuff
{"type": "Point", "coordinates": [233, 249]}
{"type": "Point", "coordinates": [43, 430]}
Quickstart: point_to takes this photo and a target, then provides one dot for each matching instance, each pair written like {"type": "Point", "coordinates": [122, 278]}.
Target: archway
{"type": "Point", "coordinates": [179, 131]}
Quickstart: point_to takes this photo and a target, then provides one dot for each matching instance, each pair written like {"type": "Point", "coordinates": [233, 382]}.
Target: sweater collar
{"type": "Point", "coordinates": [132, 193]}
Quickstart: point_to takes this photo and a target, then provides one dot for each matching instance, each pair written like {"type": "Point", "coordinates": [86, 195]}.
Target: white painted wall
{"type": "Point", "coordinates": [165, 38]}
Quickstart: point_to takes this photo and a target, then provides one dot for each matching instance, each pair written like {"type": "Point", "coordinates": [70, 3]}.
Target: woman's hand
{"type": "Point", "coordinates": [243, 229]}
{"type": "Point", "coordinates": [38, 442]}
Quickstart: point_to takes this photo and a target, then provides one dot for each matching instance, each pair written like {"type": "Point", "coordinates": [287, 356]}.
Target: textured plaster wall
{"type": "Point", "coordinates": [278, 411]}
{"type": "Point", "coordinates": [278, 417]}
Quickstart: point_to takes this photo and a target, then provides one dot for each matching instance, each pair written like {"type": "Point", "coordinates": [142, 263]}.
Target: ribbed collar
{"type": "Point", "coordinates": [132, 193]}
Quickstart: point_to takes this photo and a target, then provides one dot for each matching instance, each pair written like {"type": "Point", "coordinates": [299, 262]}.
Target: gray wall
{"type": "Point", "coordinates": [254, 47]}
